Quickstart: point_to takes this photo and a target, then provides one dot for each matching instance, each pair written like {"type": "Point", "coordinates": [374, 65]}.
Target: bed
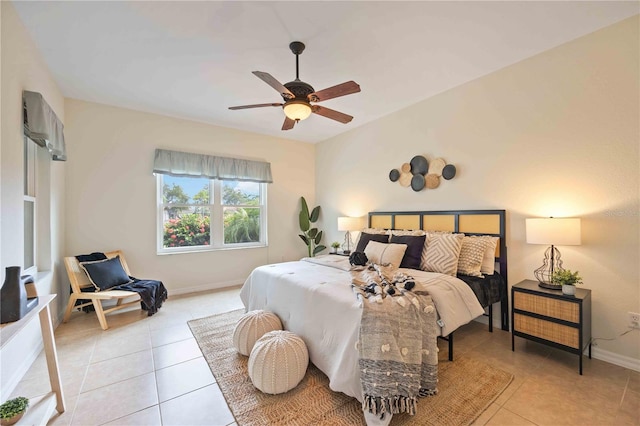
{"type": "Point", "coordinates": [314, 299]}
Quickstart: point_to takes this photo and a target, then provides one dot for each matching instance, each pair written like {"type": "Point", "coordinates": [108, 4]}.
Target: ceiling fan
{"type": "Point", "coordinates": [298, 95]}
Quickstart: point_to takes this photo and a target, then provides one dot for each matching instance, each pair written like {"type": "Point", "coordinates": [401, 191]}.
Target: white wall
{"type": "Point", "coordinates": [111, 192]}
{"type": "Point", "coordinates": [24, 69]}
{"type": "Point", "coordinates": [553, 135]}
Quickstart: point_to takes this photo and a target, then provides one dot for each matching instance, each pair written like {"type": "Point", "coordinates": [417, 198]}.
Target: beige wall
{"type": "Point", "coordinates": [554, 135]}
{"type": "Point", "coordinates": [24, 69]}
{"type": "Point", "coordinates": [111, 192]}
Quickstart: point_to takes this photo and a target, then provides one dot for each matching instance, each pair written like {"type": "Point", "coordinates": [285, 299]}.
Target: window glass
{"type": "Point", "coordinates": [194, 218]}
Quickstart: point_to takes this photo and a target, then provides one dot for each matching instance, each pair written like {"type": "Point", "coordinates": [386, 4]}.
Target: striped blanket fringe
{"type": "Point", "coordinates": [378, 405]}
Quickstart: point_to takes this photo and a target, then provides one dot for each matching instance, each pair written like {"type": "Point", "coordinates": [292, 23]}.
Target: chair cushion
{"type": "Point", "coordinates": [278, 362]}
{"type": "Point", "coordinates": [105, 274]}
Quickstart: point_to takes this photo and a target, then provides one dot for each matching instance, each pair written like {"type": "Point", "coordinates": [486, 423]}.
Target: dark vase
{"type": "Point", "coordinates": [13, 296]}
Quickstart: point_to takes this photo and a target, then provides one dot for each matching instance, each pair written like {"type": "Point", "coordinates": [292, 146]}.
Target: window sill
{"type": "Point", "coordinates": [207, 250]}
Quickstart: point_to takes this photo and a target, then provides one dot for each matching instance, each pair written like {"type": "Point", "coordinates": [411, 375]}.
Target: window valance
{"type": "Point", "coordinates": [42, 125]}
{"type": "Point", "coordinates": [184, 164]}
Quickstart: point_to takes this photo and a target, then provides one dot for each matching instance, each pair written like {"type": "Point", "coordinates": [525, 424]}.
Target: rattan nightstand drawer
{"type": "Point", "coordinates": [560, 309]}
{"type": "Point", "coordinates": [553, 332]}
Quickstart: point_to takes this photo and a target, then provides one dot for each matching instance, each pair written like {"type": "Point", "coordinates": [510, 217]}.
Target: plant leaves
{"type": "Point", "coordinates": [305, 208]}
{"type": "Point", "coordinates": [318, 238]}
{"type": "Point", "coordinates": [304, 221]}
{"type": "Point", "coordinates": [315, 213]}
{"type": "Point", "coordinates": [312, 232]}
{"type": "Point", "coordinates": [304, 238]}
{"type": "Point", "coordinates": [318, 249]}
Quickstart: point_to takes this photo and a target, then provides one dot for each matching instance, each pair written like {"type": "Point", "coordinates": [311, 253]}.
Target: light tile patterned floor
{"type": "Point", "coordinates": [149, 371]}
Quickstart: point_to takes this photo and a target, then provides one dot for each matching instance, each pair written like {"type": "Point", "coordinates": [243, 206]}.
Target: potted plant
{"type": "Point", "coordinates": [13, 410]}
{"type": "Point", "coordinates": [335, 246]}
{"type": "Point", "coordinates": [567, 279]}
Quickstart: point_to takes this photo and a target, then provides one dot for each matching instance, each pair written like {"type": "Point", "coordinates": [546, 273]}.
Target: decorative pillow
{"type": "Point", "coordinates": [366, 237]}
{"type": "Point", "coordinates": [415, 247]}
{"type": "Point", "coordinates": [489, 259]}
{"type": "Point", "coordinates": [423, 259]}
{"type": "Point", "coordinates": [442, 254]}
{"type": "Point", "coordinates": [105, 274]}
{"type": "Point", "coordinates": [383, 253]}
{"type": "Point", "coordinates": [471, 256]}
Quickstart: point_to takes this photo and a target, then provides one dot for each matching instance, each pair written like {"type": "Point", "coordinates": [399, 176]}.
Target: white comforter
{"type": "Point", "coordinates": [317, 303]}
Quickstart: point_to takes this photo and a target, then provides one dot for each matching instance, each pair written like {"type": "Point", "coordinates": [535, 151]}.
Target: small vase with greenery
{"type": "Point", "coordinates": [335, 246]}
{"type": "Point", "coordinates": [311, 236]}
{"type": "Point", "coordinates": [12, 410]}
{"type": "Point", "coordinates": [567, 279]}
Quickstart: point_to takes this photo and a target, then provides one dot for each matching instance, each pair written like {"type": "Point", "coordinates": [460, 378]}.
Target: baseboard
{"type": "Point", "coordinates": [205, 287]}
{"type": "Point", "coordinates": [614, 358]}
{"type": "Point", "coordinates": [9, 385]}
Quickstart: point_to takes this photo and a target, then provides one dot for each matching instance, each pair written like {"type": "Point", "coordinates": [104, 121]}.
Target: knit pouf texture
{"type": "Point", "coordinates": [252, 326]}
{"type": "Point", "coordinates": [278, 362]}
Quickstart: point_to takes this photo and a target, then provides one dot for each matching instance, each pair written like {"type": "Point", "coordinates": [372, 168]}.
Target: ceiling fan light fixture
{"type": "Point", "coordinates": [297, 110]}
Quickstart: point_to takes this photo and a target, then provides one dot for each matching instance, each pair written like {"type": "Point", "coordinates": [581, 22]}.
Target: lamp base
{"type": "Point", "coordinates": [550, 286]}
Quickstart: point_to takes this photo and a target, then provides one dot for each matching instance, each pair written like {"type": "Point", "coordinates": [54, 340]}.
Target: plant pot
{"type": "Point", "coordinates": [12, 420]}
{"type": "Point", "coordinates": [569, 290]}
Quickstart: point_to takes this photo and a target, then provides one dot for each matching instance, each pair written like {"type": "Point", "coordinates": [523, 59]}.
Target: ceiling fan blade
{"type": "Point", "coordinates": [335, 91]}
{"type": "Point", "coordinates": [254, 106]}
{"type": "Point", "coordinates": [332, 114]}
{"type": "Point", "coordinates": [288, 123]}
{"type": "Point", "coordinates": [268, 78]}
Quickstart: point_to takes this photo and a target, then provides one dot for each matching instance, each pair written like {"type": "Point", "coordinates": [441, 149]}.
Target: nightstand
{"type": "Point", "coordinates": [551, 318]}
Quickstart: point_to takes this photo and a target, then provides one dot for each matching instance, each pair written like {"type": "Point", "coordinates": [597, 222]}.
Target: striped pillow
{"type": "Point", "coordinates": [472, 255]}
{"type": "Point", "coordinates": [442, 253]}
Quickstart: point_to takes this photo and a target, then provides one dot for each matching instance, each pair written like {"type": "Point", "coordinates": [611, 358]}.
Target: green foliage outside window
{"type": "Point", "coordinates": [185, 229]}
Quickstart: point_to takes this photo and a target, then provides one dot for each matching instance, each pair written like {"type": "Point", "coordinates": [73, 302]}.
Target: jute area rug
{"type": "Point", "coordinates": [466, 388]}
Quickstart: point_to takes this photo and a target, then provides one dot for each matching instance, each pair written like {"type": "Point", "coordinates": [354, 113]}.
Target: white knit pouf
{"type": "Point", "coordinates": [278, 362]}
{"type": "Point", "coordinates": [252, 326]}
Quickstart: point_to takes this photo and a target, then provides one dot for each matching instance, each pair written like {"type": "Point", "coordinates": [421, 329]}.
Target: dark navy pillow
{"type": "Point", "coordinates": [413, 254]}
{"type": "Point", "coordinates": [365, 238]}
{"type": "Point", "coordinates": [105, 274]}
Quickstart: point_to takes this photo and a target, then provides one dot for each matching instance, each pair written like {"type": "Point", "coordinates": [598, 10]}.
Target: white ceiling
{"type": "Point", "coordinates": [194, 59]}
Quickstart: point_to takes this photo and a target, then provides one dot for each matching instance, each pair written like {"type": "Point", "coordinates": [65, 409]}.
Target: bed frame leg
{"type": "Point", "coordinates": [491, 318]}
{"type": "Point", "coordinates": [450, 339]}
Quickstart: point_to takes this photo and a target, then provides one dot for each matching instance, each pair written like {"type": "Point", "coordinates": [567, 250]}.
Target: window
{"type": "Point", "coordinates": [29, 198]}
{"type": "Point", "coordinates": [201, 214]}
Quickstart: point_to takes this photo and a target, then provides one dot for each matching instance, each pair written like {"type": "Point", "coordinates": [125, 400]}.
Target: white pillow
{"type": "Point", "coordinates": [442, 253]}
{"type": "Point", "coordinates": [489, 259]}
{"type": "Point", "coordinates": [382, 253]}
{"type": "Point", "coordinates": [472, 255]}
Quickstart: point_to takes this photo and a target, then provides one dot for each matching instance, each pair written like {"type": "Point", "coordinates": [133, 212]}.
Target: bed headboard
{"type": "Point", "coordinates": [471, 222]}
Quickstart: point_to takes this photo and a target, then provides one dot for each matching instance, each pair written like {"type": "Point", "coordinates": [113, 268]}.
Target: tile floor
{"type": "Point", "coordinates": [149, 371]}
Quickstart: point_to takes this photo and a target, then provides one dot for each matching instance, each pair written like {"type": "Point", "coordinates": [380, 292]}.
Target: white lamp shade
{"type": "Point", "coordinates": [297, 110]}
{"type": "Point", "coordinates": [349, 223]}
{"type": "Point", "coordinates": [554, 231]}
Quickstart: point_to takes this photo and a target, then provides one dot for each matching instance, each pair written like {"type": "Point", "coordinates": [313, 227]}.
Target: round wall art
{"type": "Point", "coordinates": [420, 173]}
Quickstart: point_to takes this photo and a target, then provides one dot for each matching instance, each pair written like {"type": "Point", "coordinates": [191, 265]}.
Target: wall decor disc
{"type": "Point", "coordinates": [406, 168]}
{"type": "Point", "coordinates": [394, 175]}
{"type": "Point", "coordinates": [405, 179]}
{"type": "Point", "coordinates": [449, 171]}
{"type": "Point", "coordinates": [436, 166]}
{"type": "Point", "coordinates": [419, 165]}
{"type": "Point", "coordinates": [417, 182]}
{"type": "Point", "coordinates": [433, 181]}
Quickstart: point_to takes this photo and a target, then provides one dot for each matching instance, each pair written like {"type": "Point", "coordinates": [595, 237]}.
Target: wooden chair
{"type": "Point", "coordinates": [79, 280]}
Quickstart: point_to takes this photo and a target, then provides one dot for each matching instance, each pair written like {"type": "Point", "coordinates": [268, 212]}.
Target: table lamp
{"type": "Point", "coordinates": [348, 224]}
{"type": "Point", "coordinates": [553, 232]}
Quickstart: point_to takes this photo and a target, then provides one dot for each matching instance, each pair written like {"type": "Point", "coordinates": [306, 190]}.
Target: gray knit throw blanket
{"type": "Point", "coordinates": [397, 343]}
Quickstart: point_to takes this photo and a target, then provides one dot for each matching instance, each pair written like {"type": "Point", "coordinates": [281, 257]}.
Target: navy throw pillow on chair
{"type": "Point", "coordinates": [105, 274]}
